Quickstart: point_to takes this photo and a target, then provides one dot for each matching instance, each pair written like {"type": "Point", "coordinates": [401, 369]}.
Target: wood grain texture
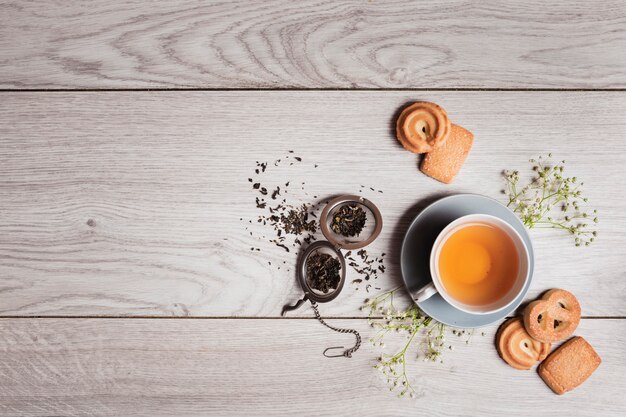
{"type": "Point", "coordinates": [139, 367]}
{"type": "Point", "coordinates": [313, 44]}
{"type": "Point", "coordinates": [129, 203]}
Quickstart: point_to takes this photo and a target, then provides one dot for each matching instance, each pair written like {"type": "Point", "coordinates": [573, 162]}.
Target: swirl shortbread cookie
{"type": "Point", "coordinates": [422, 127]}
{"type": "Point", "coordinates": [516, 346]}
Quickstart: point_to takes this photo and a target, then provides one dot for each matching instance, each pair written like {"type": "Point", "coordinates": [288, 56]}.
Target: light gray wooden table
{"type": "Point", "coordinates": [128, 132]}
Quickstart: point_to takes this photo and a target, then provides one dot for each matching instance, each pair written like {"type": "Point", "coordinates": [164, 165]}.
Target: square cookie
{"type": "Point", "coordinates": [569, 366]}
{"type": "Point", "coordinates": [445, 161]}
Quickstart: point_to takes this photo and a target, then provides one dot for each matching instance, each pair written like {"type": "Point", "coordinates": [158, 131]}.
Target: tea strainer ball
{"type": "Point", "coordinates": [330, 249]}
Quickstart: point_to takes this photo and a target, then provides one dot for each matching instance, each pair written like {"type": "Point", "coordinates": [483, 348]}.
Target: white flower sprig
{"type": "Point", "coordinates": [410, 322]}
{"type": "Point", "coordinates": [551, 200]}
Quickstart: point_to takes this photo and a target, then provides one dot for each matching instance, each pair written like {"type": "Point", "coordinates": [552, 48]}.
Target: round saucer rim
{"type": "Point", "coordinates": [478, 317]}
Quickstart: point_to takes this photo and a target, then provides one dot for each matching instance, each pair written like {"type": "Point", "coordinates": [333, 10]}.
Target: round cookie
{"type": "Point", "coordinates": [422, 126]}
{"type": "Point", "coordinates": [553, 317]}
{"type": "Point", "coordinates": [516, 346]}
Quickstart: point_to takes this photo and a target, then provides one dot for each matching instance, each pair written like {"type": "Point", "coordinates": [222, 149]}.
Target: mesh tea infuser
{"type": "Point", "coordinates": [332, 247]}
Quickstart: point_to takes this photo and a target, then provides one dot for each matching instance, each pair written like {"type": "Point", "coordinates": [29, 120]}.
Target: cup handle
{"type": "Point", "coordinates": [425, 292]}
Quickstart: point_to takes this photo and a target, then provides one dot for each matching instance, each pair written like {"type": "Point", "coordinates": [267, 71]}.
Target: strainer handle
{"type": "Point", "coordinates": [296, 306]}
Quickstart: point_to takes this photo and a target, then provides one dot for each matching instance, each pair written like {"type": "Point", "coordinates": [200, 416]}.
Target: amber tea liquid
{"type": "Point", "coordinates": [478, 264]}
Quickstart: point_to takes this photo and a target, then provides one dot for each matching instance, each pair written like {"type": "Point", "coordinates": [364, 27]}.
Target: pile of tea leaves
{"type": "Point", "coordinates": [292, 224]}
{"type": "Point", "coordinates": [349, 220]}
{"type": "Point", "coordinates": [286, 219]}
{"type": "Point", "coordinates": [323, 272]}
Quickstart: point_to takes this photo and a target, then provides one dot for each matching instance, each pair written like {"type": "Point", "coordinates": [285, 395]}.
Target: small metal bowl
{"type": "Point", "coordinates": [313, 294]}
{"type": "Point", "coordinates": [333, 244]}
{"type": "Point", "coordinates": [370, 232]}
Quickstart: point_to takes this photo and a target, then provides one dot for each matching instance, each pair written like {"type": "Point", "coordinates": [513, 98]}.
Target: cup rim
{"type": "Point", "coordinates": [447, 232]}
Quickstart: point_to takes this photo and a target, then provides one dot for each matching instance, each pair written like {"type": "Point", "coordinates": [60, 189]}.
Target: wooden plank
{"type": "Point", "coordinates": [129, 203]}
{"type": "Point", "coordinates": [159, 367]}
{"type": "Point", "coordinates": [313, 44]}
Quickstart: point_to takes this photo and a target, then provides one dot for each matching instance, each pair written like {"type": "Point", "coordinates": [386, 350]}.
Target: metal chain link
{"type": "Point", "coordinates": [348, 352]}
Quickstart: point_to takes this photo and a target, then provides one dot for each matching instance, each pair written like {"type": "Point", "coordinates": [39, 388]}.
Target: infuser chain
{"type": "Point", "coordinates": [348, 352]}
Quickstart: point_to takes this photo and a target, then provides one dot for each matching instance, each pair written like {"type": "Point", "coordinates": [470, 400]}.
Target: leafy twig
{"type": "Point", "coordinates": [551, 200]}
{"type": "Point", "coordinates": [412, 322]}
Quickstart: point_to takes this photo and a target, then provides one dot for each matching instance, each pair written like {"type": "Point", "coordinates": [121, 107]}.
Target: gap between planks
{"type": "Point", "coordinates": [245, 317]}
{"type": "Point", "coordinates": [296, 89]}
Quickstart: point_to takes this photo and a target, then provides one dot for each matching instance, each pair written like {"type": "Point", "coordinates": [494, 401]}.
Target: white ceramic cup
{"type": "Point", "coordinates": [436, 286]}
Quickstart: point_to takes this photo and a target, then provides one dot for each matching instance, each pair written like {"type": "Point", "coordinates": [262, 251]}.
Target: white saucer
{"type": "Point", "coordinates": [418, 241]}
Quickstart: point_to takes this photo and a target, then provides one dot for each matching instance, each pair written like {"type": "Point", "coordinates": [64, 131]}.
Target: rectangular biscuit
{"type": "Point", "coordinates": [445, 161]}
{"type": "Point", "coordinates": [569, 366]}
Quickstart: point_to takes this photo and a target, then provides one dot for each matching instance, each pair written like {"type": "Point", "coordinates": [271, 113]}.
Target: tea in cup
{"type": "Point", "coordinates": [479, 264]}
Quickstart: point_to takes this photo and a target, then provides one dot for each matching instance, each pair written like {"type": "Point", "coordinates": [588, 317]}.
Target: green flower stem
{"type": "Point", "coordinates": [551, 200]}
{"type": "Point", "coordinates": [384, 315]}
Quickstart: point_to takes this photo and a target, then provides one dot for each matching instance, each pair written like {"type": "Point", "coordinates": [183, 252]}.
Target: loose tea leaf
{"type": "Point", "coordinates": [323, 272]}
{"type": "Point", "coordinates": [365, 265]}
{"type": "Point", "coordinates": [349, 220]}
{"type": "Point", "coordinates": [297, 221]}
{"type": "Point", "coordinates": [290, 222]}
